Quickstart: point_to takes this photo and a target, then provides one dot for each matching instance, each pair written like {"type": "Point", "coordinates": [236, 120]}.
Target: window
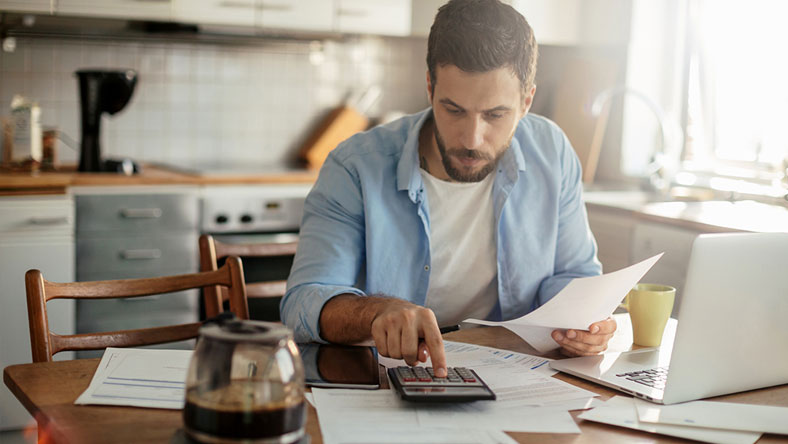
{"type": "Point", "coordinates": [737, 92]}
{"type": "Point", "coordinates": [719, 71]}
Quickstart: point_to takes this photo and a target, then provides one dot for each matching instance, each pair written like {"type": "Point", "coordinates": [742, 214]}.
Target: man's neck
{"type": "Point", "coordinates": [429, 157]}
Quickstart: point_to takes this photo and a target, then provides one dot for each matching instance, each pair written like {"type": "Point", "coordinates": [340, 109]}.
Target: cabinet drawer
{"type": "Point", "coordinates": [150, 213]}
{"type": "Point", "coordinates": [387, 17]}
{"type": "Point", "coordinates": [311, 15]}
{"type": "Point", "coordinates": [137, 256]}
{"type": "Point", "coordinates": [32, 217]}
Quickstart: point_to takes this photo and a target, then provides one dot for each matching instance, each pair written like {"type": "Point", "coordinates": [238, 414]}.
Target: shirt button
{"type": "Point", "coordinates": [426, 268]}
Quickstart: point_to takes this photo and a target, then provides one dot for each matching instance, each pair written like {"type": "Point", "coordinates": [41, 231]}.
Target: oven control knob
{"type": "Point", "coordinates": [246, 218]}
{"type": "Point", "coordinates": [221, 219]}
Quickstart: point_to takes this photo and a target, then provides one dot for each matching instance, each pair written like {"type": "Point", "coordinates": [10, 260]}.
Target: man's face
{"type": "Point", "coordinates": [475, 118]}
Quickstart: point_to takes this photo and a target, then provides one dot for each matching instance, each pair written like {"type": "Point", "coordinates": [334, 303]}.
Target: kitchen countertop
{"type": "Point", "coordinates": [57, 182]}
{"type": "Point", "coordinates": [708, 216]}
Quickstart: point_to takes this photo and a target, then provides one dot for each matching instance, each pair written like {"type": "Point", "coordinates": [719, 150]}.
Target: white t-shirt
{"type": "Point", "coordinates": [464, 268]}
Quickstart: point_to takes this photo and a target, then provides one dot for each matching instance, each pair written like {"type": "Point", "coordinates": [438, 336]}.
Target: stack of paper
{"type": "Point", "coordinates": [528, 401]}
{"type": "Point", "coordinates": [139, 378]}
{"type": "Point", "coordinates": [624, 412]}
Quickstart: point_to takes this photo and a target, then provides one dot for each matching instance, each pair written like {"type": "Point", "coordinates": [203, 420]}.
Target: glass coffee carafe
{"type": "Point", "coordinates": [245, 384]}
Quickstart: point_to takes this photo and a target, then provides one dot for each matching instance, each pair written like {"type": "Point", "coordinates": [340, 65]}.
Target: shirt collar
{"type": "Point", "coordinates": [408, 175]}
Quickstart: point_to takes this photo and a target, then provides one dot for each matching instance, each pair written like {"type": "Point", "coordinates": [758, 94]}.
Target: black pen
{"type": "Point", "coordinates": [450, 328]}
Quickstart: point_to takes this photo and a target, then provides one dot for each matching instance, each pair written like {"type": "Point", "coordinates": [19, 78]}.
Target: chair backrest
{"type": "Point", "coordinates": [45, 343]}
{"type": "Point", "coordinates": [212, 250]}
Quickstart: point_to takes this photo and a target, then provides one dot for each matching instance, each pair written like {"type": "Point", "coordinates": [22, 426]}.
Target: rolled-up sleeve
{"type": "Point", "coordinates": [330, 249]}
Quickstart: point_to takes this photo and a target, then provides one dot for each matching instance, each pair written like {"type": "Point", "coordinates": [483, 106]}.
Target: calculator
{"type": "Point", "coordinates": [420, 384]}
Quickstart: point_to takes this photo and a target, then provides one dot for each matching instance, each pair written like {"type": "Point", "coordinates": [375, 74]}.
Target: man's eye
{"type": "Point", "coordinates": [453, 111]}
{"type": "Point", "coordinates": [494, 115]}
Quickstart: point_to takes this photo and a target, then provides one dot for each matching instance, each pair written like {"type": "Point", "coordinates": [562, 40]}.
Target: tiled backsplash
{"type": "Point", "coordinates": [205, 103]}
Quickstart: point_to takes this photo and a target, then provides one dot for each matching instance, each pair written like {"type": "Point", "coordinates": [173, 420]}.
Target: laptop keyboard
{"type": "Point", "coordinates": [654, 377]}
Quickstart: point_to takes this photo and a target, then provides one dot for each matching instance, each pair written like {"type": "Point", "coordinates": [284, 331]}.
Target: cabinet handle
{"type": "Point", "coordinates": [275, 7]}
{"type": "Point", "coordinates": [141, 213]}
{"type": "Point", "coordinates": [150, 253]}
{"type": "Point", "coordinates": [151, 1]}
{"type": "Point", "coordinates": [353, 12]}
{"type": "Point", "coordinates": [48, 221]}
{"type": "Point", "coordinates": [236, 4]}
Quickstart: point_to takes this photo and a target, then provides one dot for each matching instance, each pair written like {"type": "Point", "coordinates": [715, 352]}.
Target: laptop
{"type": "Point", "coordinates": [732, 332]}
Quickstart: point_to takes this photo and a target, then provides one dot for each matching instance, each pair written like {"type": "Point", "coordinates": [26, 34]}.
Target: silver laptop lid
{"type": "Point", "coordinates": [733, 323]}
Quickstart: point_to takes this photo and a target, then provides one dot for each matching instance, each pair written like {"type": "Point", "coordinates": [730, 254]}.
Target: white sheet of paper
{"type": "Point", "coordinates": [492, 415]}
{"type": "Point", "coordinates": [717, 415]}
{"type": "Point", "coordinates": [582, 302]}
{"type": "Point", "coordinates": [459, 354]}
{"type": "Point", "coordinates": [139, 378]}
{"type": "Point", "coordinates": [620, 411]}
{"type": "Point", "coordinates": [421, 435]}
{"type": "Point", "coordinates": [363, 416]}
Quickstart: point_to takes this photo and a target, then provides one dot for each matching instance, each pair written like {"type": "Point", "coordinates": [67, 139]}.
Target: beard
{"type": "Point", "coordinates": [463, 174]}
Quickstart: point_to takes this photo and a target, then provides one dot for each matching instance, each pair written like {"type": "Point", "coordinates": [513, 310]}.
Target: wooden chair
{"type": "Point", "coordinates": [212, 250]}
{"type": "Point", "coordinates": [45, 344]}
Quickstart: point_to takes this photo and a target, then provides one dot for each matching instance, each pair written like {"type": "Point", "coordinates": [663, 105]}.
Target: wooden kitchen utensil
{"type": "Point", "coordinates": [341, 123]}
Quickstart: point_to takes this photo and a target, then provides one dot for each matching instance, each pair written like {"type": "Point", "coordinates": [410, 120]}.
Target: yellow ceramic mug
{"type": "Point", "coordinates": [649, 307]}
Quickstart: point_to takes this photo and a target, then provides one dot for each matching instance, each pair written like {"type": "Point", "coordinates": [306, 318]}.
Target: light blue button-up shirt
{"type": "Point", "coordinates": [366, 225]}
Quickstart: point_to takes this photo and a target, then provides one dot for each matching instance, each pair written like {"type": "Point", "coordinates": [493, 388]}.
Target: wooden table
{"type": "Point", "coordinates": [48, 391]}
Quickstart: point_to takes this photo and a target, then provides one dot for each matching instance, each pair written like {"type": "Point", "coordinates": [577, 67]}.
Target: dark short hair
{"type": "Point", "coordinates": [480, 36]}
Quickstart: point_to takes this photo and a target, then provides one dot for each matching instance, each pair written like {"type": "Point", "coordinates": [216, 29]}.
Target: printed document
{"type": "Point", "coordinates": [139, 378]}
{"type": "Point", "coordinates": [361, 416]}
{"type": "Point", "coordinates": [582, 302]}
{"type": "Point", "coordinates": [718, 415]}
{"type": "Point", "coordinates": [620, 411]}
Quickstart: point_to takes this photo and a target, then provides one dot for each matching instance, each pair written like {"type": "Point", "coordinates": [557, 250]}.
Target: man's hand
{"type": "Point", "coordinates": [585, 343]}
{"type": "Point", "coordinates": [398, 331]}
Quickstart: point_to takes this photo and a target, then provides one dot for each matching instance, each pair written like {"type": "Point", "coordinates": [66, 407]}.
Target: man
{"type": "Point", "coordinates": [471, 208]}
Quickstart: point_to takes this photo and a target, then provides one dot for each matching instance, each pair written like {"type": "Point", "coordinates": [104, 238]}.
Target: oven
{"type": "Point", "coordinates": [255, 213]}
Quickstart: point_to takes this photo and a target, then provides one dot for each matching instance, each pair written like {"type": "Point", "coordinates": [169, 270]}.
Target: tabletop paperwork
{"type": "Point", "coordinates": [718, 415]}
{"type": "Point", "coordinates": [622, 411]}
{"type": "Point", "coordinates": [139, 378]}
{"type": "Point", "coordinates": [582, 302]}
{"type": "Point", "coordinates": [529, 400]}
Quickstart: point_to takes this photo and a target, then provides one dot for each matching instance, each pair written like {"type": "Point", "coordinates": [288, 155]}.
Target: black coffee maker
{"type": "Point", "coordinates": [102, 91]}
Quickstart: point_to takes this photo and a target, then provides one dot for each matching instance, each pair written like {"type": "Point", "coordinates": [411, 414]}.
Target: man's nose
{"type": "Point", "coordinates": [473, 133]}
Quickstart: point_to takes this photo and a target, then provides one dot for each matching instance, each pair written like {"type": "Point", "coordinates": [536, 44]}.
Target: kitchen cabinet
{"type": "Point", "coordinates": [129, 233]}
{"type": "Point", "coordinates": [306, 15]}
{"type": "Point", "coordinates": [39, 6]}
{"type": "Point", "coordinates": [215, 12]}
{"type": "Point", "coordinates": [160, 10]}
{"type": "Point", "coordinates": [386, 17]}
{"type": "Point", "coordinates": [35, 232]}
{"type": "Point", "coordinates": [613, 234]}
{"type": "Point", "coordinates": [577, 22]}
{"type": "Point", "coordinates": [649, 239]}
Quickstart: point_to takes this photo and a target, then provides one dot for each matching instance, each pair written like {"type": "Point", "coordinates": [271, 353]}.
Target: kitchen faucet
{"type": "Point", "coordinates": [659, 178]}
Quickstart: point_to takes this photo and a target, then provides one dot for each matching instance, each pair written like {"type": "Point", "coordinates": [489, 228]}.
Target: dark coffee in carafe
{"type": "Point", "coordinates": [213, 422]}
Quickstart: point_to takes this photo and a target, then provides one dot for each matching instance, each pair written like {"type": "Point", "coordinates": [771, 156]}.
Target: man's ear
{"type": "Point", "coordinates": [528, 100]}
{"type": "Point", "coordinates": [429, 87]}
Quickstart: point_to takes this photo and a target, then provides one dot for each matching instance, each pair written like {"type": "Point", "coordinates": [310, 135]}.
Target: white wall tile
{"type": "Point", "coordinates": [211, 103]}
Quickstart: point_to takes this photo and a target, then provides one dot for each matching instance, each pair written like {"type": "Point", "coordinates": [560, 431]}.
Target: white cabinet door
{"type": "Point", "coordinates": [123, 9]}
{"type": "Point", "coordinates": [215, 12]}
{"type": "Point", "coordinates": [45, 6]}
{"type": "Point", "coordinates": [613, 234]}
{"type": "Point", "coordinates": [649, 239]}
{"type": "Point", "coordinates": [387, 17]}
{"type": "Point", "coordinates": [307, 15]}
{"type": "Point", "coordinates": [34, 233]}
{"type": "Point", "coordinates": [577, 22]}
